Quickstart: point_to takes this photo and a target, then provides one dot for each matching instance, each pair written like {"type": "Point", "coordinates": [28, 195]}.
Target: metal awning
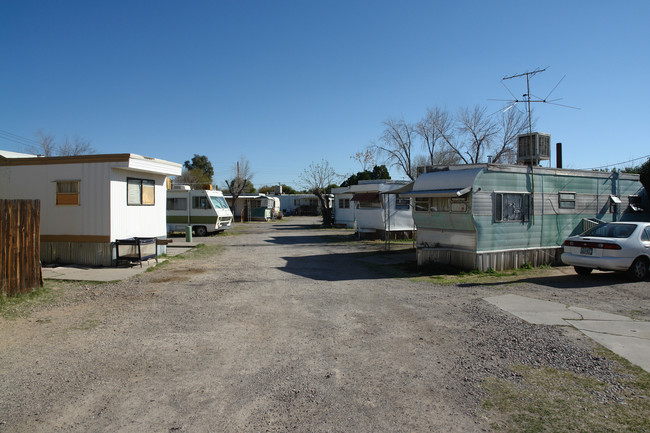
{"type": "Point", "coordinates": [455, 192]}
{"type": "Point", "coordinates": [365, 196]}
{"type": "Point", "coordinates": [615, 199]}
{"type": "Point", "coordinates": [403, 190]}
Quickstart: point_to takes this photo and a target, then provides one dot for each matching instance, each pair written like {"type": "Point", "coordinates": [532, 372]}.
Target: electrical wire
{"type": "Point", "coordinates": [8, 136]}
{"type": "Point", "coordinates": [618, 163]}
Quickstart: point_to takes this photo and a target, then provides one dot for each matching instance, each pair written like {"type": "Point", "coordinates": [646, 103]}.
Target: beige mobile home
{"type": "Point", "coordinates": [88, 202]}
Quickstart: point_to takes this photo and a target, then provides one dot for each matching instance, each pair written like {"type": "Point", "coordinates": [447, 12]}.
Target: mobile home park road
{"type": "Point", "coordinates": [289, 328]}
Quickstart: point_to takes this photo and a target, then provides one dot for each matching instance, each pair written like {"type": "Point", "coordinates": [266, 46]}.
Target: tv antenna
{"type": "Point", "coordinates": [528, 98]}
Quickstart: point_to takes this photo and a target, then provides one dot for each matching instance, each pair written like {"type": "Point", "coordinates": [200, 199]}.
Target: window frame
{"type": "Point", "coordinates": [404, 205]}
{"type": "Point", "coordinates": [142, 196]}
{"type": "Point", "coordinates": [566, 200]}
{"type": "Point", "coordinates": [175, 201]}
{"type": "Point", "coordinates": [204, 203]}
{"type": "Point", "coordinates": [344, 203]}
{"type": "Point", "coordinates": [498, 207]}
{"type": "Point", "coordinates": [67, 198]}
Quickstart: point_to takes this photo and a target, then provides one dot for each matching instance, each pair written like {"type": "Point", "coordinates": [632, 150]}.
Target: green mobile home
{"type": "Point", "coordinates": [498, 217]}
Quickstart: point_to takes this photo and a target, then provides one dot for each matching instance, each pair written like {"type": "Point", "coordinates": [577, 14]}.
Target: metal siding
{"type": "Point", "coordinates": [444, 238]}
{"type": "Point", "coordinates": [90, 217]}
{"type": "Point", "coordinates": [141, 221]}
{"type": "Point", "coordinates": [81, 253]}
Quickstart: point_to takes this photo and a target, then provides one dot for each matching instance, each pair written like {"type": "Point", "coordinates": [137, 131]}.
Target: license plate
{"type": "Point", "coordinates": [587, 251]}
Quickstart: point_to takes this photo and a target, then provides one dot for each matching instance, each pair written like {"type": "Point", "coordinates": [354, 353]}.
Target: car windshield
{"type": "Point", "coordinates": [611, 231]}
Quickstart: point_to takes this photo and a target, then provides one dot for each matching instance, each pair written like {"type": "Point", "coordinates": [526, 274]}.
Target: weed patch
{"type": "Point", "coordinates": [12, 307]}
{"type": "Point", "coordinates": [551, 400]}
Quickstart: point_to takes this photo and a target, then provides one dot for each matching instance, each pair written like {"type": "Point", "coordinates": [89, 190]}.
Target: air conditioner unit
{"type": "Point", "coordinates": [533, 148]}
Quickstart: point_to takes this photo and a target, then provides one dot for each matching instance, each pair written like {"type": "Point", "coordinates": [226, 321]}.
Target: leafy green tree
{"type": "Point", "coordinates": [644, 175]}
{"type": "Point", "coordinates": [200, 166]}
{"type": "Point", "coordinates": [378, 172]}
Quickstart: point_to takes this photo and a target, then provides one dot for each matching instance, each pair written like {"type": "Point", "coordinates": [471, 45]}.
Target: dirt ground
{"type": "Point", "coordinates": [289, 328]}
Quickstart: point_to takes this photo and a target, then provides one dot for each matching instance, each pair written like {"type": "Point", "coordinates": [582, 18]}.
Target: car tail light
{"type": "Point", "coordinates": [600, 245]}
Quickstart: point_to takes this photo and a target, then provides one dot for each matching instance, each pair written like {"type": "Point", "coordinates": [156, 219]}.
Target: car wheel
{"type": "Point", "coordinates": [639, 270]}
{"type": "Point", "coordinates": [200, 231]}
{"type": "Point", "coordinates": [582, 271]}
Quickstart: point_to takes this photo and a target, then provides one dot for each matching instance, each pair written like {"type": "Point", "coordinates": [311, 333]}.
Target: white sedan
{"type": "Point", "coordinates": [620, 246]}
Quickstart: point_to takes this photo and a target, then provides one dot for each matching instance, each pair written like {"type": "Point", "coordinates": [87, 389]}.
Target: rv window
{"type": "Point", "coordinates": [511, 207]}
{"type": "Point", "coordinates": [567, 200]}
{"type": "Point", "coordinates": [440, 204]}
{"type": "Point", "coordinates": [402, 203]}
{"type": "Point", "coordinates": [421, 204]}
{"type": "Point", "coordinates": [200, 203]}
{"type": "Point", "coordinates": [177, 203]}
{"type": "Point", "coordinates": [67, 192]}
{"type": "Point", "coordinates": [140, 192]}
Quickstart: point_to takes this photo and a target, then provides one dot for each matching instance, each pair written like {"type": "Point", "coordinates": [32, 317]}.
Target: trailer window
{"type": "Point", "coordinates": [67, 193]}
{"type": "Point", "coordinates": [140, 192]}
{"type": "Point", "coordinates": [567, 200]}
{"type": "Point", "coordinates": [200, 203]}
{"type": "Point", "coordinates": [344, 203]}
{"type": "Point", "coordinates": [511, 207]}
{"type": "Point", "coordinates": [177, 203]}
{"type": "Point", "coordinates": [402, 203]}
{"type": "Point", "coordinates": [421, 204]}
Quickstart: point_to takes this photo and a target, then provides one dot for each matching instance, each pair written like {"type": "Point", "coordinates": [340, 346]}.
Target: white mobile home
{"type": "Point", "coordinates": [299, 204]}
{"type": "Point", "coordinates": [370, 208]}
{"type": "Point", "coordinates": [490, 216]}
{"type": "Point", "coordinates": [90, 201]}
{"type": "Point", "coordinates": [206, 211]}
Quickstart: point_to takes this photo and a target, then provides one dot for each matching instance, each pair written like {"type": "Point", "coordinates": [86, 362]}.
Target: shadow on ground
{"type": "Point", "coordinates": [344, 267]}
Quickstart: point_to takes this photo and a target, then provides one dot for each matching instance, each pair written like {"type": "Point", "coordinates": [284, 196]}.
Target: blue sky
{"type": "Point", "coordinates": [285, 83]}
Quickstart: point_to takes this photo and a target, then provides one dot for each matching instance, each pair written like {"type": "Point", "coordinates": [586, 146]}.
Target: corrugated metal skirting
{"type": "Point", "coordinates": [497, 261]}
{"type": "Point", "coordinates": [80, 253]}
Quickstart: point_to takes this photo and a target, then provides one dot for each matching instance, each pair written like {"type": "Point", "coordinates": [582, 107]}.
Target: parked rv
{"type": "Point", "coordinates": [206, 211]}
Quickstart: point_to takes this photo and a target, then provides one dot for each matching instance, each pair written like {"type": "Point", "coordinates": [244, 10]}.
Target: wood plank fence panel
{"type": "Point", "coordinates": [20, 247]}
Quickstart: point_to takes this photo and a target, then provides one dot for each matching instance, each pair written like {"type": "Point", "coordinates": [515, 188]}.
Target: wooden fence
{"type": "Point", "coordinates": [20, 248]}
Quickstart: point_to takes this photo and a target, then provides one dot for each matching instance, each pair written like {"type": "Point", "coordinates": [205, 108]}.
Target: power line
{"type": "Point", "coordinates": [9, 136]}
{"type": "Point", "coordinates": [618, 163]}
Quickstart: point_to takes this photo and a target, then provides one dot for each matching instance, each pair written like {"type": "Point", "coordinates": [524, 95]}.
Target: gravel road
{"type": "Point", "coordinates": [285, 330]}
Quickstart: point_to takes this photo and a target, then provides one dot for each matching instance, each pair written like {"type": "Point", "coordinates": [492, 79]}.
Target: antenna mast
{"type": "Point", "coordinates": [527, 95]}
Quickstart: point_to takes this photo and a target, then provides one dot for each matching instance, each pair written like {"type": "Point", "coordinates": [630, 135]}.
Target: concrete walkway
{"type": "Point", "coordinates": [622, 335]}
{"type": "Point", "coordinates": [105, 274]}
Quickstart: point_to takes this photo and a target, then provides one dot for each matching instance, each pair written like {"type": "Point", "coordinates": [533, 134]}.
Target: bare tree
{"type": "Point", "coordinates": [513, 123]}
{"type": "Point", "coordinates": [478, 130]}
{"type": "Point", "coordinates": [436, 130]}
{"type": "Point", "coordinates": [396, 143]}
{"type": "Point", "coordinates": [75, 146]}
{"type": "Point", "coordinates": [318, 178]}
{"type": "Point", "coordinates": [366, 158]}
{"type": "Point", "coordinates": [45, 146]}
{"type": "Point", "coordinates": [69, 147]}
{"type": "Point", "coordinates": [242, 177]}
